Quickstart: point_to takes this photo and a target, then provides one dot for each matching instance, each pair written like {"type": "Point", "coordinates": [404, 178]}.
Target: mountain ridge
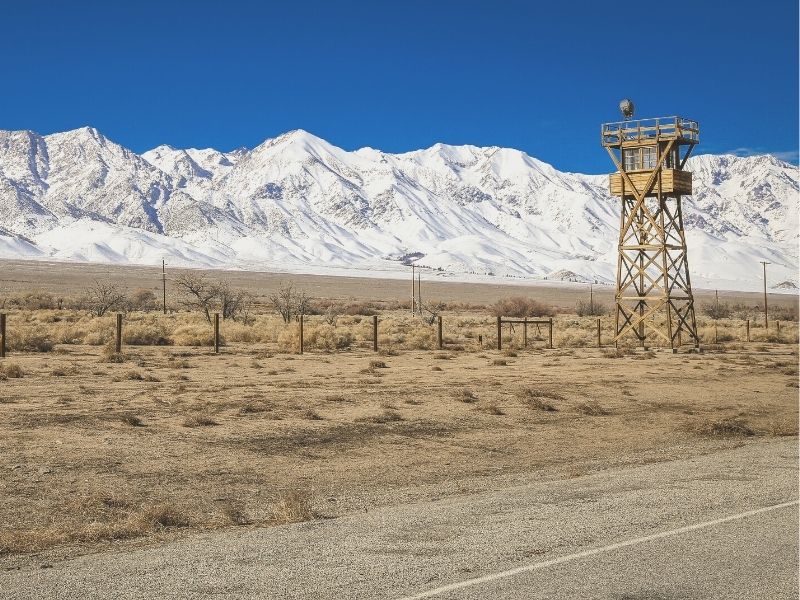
{"type": "Point", "coordinates": [297, 201]}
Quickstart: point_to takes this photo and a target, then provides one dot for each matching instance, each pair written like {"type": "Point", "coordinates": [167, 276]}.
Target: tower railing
{"type": "Point", "coordinates": [640, 130]}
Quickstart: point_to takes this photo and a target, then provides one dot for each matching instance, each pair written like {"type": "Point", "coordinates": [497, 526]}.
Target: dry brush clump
{"type": "Point", "coordinates": [539, 399]}
{"type": "Point", "coordinates": [727, 427]}
{"type": "Point", "coordinates": [521, 306]}
{"type": "Point", "coordinates": [10, 370]}
{"type": "Point", "coordinates": [294, 505]}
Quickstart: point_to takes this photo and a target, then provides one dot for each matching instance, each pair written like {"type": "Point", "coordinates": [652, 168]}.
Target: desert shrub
{"type": "Point", "coordinates": [194, 335]}
{"type": "Point", "coordinates": [11, 370]}
{"type": "Point", "coordinates": [590, 309]}
{"type": "Point", "coordinates": [327, 337]}
{"type": "Point", "coordinates": [29, 338]}
{"type": "Point", "coordinates": [520, 306]}
{"type": "Point", "coordinates": [422, 338]}
{"type": "Point", "coordinates": [145, 334]}
{"type": "Point", "coordinates": [717, 310]}
{"type": "Point", "coordinates": [293, 506]}
{"type": "Point", "coordinates": [289, 338]}
{"type": "Point", "coordinates": [199, 420]}
{"type": "Point", "coordinates": [110, 355]}
{"type": "Point", "coordinates": [142, 299]}
{"type": "Point", "coordinates": [34, 300]}
{"type": "Point", "coordinates": [729, 427]}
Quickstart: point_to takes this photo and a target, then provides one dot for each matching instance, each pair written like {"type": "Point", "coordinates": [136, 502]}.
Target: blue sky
{"type": "Point", "coordinates": [399, 76]}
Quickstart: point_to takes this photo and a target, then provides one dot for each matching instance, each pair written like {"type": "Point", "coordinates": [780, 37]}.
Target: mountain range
{"type": "Point", "coordinates": [297, 203]}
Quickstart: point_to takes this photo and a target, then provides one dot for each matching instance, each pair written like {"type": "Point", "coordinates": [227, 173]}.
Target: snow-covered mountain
{"type": "Point", "coordinates": [298, 203]}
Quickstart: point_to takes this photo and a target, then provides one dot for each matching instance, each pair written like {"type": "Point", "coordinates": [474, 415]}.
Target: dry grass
{"type": "Point", "coordinates": [592, 409]}
{"type": "Point", "coordinates": [139, 427]}
{"type": "Point", "coordinates": [10, 370]}
{"type": "Point", "coordinates": [465, 395]}
{"type": "Point", "coordinates": [293, 506]}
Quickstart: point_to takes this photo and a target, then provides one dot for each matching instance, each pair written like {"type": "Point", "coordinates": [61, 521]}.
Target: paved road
{"type": "Point", "coordinates": [683, 529]}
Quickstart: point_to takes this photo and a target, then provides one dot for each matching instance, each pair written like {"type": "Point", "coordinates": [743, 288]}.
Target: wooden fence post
{"type": "Point", "coordinates": [118, 341]}
{"type": "Point", "coordinates": [2, 335]}
{"type": "Point", "coordinates": [439, 332]}
{"type": "Point", "coordinates": [375, 332]}
{"type": "Point", "coordinates": [301, 334]}
{"type": "Point", "coordinates": [747, 329]}
{"type": "Point", "coordinates": [716, 337]}
{"type": "Point", "coordinates": [599, 342]}
{"type": "Point", "coordinates": [525, 332]}
{"type": "Point", "coordinates": [499, 333]}
{"type": "Point", "coordinates": [778, 324]}
{"type": "Point", "coordinates": [216, 333]}
{"type": "Point", "coordinates": [551, 333]}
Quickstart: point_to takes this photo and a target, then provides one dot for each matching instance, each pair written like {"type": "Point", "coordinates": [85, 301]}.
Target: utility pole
{"type": "Point", "coordinates": [591, 299]}
{"type": "Point", "coordinates": [164, 283]}
{"type": "Point", "coordinates": [419, 292]}
{"type": "Point", "coordinates": [413, 290]}
{"type": "Point", "coordinates": [766, 319]}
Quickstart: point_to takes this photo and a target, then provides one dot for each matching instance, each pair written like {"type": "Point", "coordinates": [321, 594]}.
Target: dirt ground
{"type": "Point", "coordinates": [69, 279]}
{"type": "Point", "coordinates": [98, 454]}
{"type": "Point", "coordinates": [173, 440]}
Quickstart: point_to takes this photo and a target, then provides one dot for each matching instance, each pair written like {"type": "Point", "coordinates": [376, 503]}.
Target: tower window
{"type": "Point", "coordinates": [635, 159]}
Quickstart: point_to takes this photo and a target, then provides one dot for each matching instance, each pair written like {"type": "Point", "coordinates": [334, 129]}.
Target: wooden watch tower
{"type": "Point", "coordinates": [654, 294]}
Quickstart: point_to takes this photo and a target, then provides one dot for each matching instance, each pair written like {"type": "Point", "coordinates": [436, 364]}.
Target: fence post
{"type": "Point", "coordinates": [301, 334]}
{"type": "Point", "coordinates": [778, 324]}
{"type": "Point", "coordinates": [551, 333]}
{"type": "Point", "coordinates": [716, 337]}
{"type": "Point", "coordinates": [439, 332]}
{"type": "Point", "coordinates": [499, 333]}
{"type": "Point", "coordinates": [599, 343]}
{"type": "Point", "coordinates": [2, 335]}
{"type": "Point", "coordinates": [216, 333]}
{"type": "Point", "coordinates": [375, 332]}
{"type": "Point", "coordinates": [525, 332]}
{"type": "Point", "coordinates": [118, 341]}
{"type": "Point", "coordinates": [747, 328]}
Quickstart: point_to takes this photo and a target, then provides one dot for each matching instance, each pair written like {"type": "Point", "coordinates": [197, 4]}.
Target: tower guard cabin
{"type": "Point", "coordinates": [654, 299]}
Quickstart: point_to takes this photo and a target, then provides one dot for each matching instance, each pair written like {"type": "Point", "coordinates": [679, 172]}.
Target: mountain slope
{"type": "Point", "coordinates": [298, 202]}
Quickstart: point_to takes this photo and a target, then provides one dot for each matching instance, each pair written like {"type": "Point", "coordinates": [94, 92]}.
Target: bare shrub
{"type": "Point", "coordinates": [721, 310]}
{"type": "Point", "coordinates": [142, 299]}
{"type": "Point", "coordinates": [520, 306]}
{"type": "Point", "coordinates": [290, 302]}
{"type": "Point", "coordinates": [103, 297]}
{"type": "Point", "coordinates": [590, 309]}
{"type": "Point", "coordinates": [198, 292]}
